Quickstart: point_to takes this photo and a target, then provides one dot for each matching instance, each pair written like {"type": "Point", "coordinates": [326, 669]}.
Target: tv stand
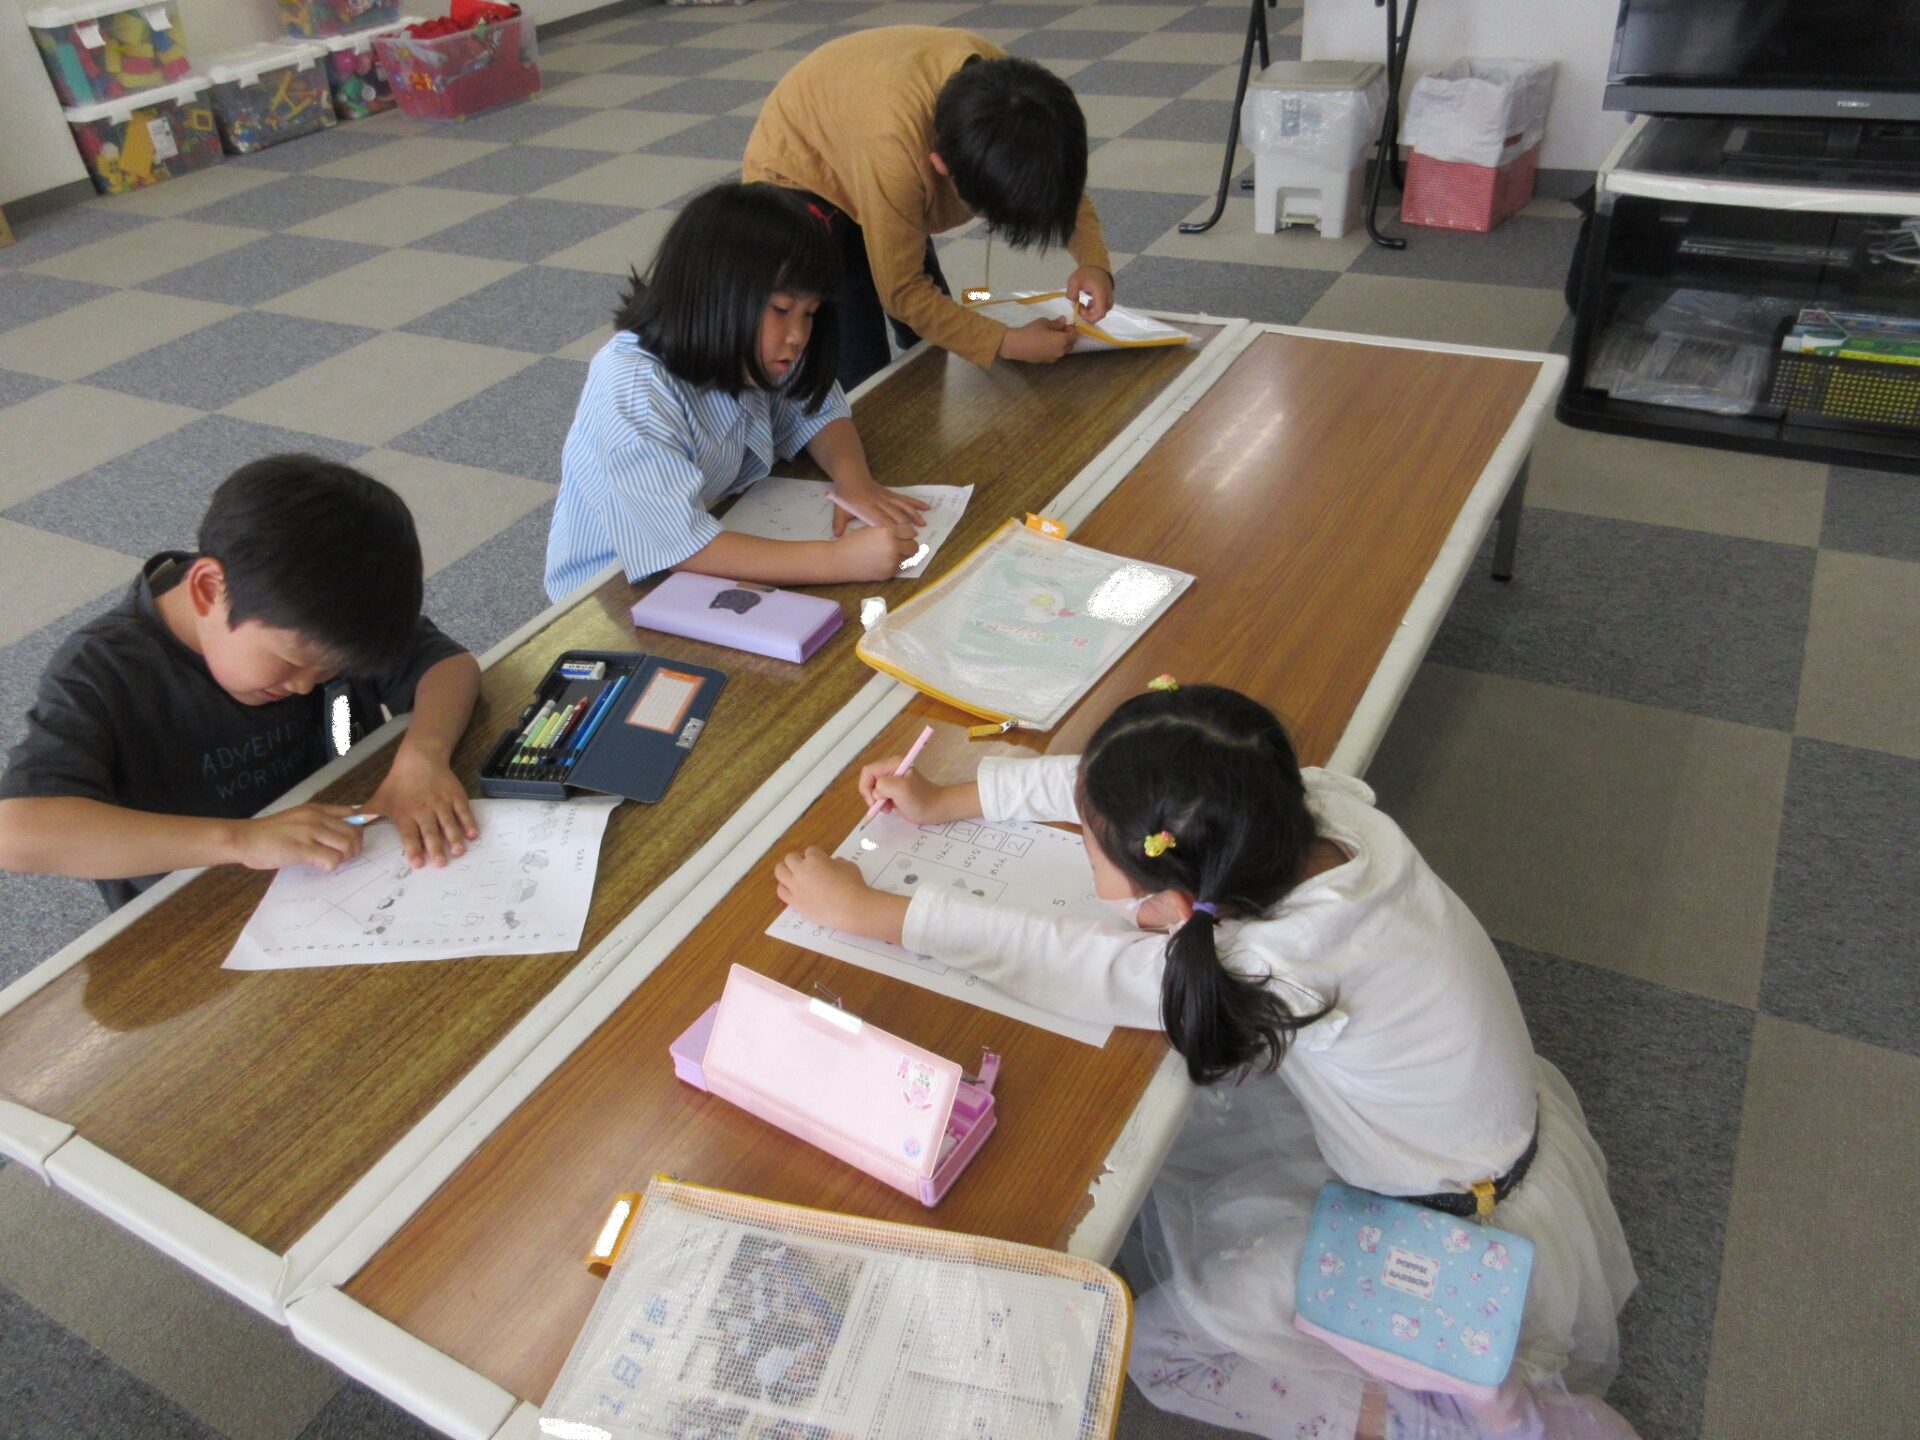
{"type": "Point", "coordinates": [1709, 235]}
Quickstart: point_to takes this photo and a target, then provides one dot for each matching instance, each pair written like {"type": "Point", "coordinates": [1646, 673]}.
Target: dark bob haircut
{"type": "Point", "coordinates": [723, 258]}
{"type": "Point", "coordinates": [1015, 143]}
{"type": "Point", "coordinates": [322, 550]}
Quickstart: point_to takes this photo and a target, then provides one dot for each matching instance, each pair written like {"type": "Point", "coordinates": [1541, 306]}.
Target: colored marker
{"type": "Point", "coordinates": [863, 519]}
{"type": "Point", "coordinates": [594, 721]}
{"type": "Point", "coordinates": [363, 819]}
{"type": "Point", "coordinates": [906, 764]}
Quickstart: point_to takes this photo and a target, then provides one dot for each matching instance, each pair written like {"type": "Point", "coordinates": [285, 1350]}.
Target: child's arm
{"type": "Point", "coordinates": [868, 553]}
{"type": "Point", "coordinates": [838, 451]}
{"type": "Point", "coordinates": [91, 840]}
{"type": "Point", "coordinates": [421, 794]}
{"type": "Point", "coordinates": [1005, 788]}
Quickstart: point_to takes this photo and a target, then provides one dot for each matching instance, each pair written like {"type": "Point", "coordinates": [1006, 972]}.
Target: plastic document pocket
{"type": "Point", "coordinates": [902, 1114]}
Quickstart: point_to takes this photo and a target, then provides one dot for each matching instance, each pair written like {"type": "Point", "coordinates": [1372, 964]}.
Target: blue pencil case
{"type": "Point", "coordinates": [1426, 1300]}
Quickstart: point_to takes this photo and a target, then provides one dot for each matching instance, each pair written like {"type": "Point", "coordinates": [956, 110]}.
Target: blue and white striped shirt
{"type": "Point", "coordinates": [649, 455]}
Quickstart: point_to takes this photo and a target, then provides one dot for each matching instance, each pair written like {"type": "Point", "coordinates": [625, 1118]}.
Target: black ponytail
{"type": "Point", "coordinates": [1216, 771]}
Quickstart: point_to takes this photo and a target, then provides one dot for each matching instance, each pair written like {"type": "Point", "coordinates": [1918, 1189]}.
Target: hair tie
{"type": "Point", "coordinates": [1208, 906]}
{"type": "Point", "coordinates": [1163, 682]}
{"type": "Point", "coordinates": [1158, 845]}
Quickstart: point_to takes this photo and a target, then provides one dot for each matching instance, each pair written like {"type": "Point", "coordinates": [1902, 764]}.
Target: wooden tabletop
{"type": "Point", "coordinates": [1309, 492]}
{"type": "Point", "coordinates": [261, 1097]}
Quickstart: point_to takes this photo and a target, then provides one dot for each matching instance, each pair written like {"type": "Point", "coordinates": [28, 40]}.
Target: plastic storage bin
{"type": "Point", "coordinates": [271, 92]}
{"type": "Point", "coordinates": [143, 139]}
{"type": "Point", "coordinates": [106, 49]}
{"type": "Point", "coordinates": [450, 77]}
{"type": "Point", "coordinates": [1474, 128]}
{"type": "Point", "coordinates": [1309, 125]}
{"type": "Point", "coordinates": [359, 80]}
{"type": "Point", "coordinates": [307, 18]}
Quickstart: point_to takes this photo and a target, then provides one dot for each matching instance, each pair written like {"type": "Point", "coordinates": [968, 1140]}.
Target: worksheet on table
{"type": "Point", "coordinates": [782, 508]}
{"type": "Point", "coordinates": [522, 888]}
{"type": "Point", "coordinates": [1035, 867]}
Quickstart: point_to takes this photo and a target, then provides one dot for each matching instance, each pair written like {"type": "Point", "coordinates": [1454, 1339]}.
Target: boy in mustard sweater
{"type": "Point", "coordinates": [896, 134]}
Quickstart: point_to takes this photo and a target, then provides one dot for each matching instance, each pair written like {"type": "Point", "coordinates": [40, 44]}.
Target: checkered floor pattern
{"type": "Point", "coordinates": [1674, 766]}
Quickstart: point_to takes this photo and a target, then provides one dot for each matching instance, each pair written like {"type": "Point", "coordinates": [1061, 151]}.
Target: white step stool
{"type": "Point", "coordinates": [1309, 124]}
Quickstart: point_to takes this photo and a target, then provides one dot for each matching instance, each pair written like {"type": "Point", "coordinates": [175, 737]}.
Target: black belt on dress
{"type": "Point", "coordinates": [1466, 1202]}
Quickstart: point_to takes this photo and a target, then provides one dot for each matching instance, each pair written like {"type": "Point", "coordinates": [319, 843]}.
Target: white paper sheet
{"type": "Point", "coordinates": [522, 888]}
{"type": "Point", "coordinates": [783, 508]}
{"type": "Point", "coordinates": [1035, 866]}
{"type": "Point", "coordinates": [1128, 327]}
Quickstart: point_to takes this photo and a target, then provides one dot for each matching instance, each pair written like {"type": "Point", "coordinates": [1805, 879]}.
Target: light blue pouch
{"type": "Point", "coordinates": [1426, 1300]}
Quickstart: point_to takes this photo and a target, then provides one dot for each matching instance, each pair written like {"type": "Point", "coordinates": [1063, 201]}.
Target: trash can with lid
{"type": "Point", "coordinates": [1310, 124]}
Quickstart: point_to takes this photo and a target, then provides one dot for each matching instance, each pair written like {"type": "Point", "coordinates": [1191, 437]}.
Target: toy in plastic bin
{"type": "Point", "coordinates": [479, 57]}
{"type": "Point", "coordinates": [99, 50]}
{"type": "Point", "coordinates": [901, 1114]}
{"type": "Point", "coordinates": [141, 140]}
{"type": "Point", "coordinates": [360, 84]}
{"type": "Point", "coordinates": [305, 18]}
{"type": "Point", "coordinates": [271, 92]}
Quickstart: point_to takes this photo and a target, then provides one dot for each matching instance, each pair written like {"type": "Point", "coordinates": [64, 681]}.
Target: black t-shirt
{"type": "Point", "coordinates": [128, 715]}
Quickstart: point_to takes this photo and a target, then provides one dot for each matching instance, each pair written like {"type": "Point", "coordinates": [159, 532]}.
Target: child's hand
{"type": "Point", "coordinates": [1038, 342]}
{"type": "Point", "coordinates": [875, 552]}
{"type": "Point", "coordinates": [316, 835]}
{"type": "Point", "coordinates": [876, 505]}
{"type": "Point", "coordinates": [1097, 285]}
{"type": "Point", "coordinates": [914, 798]}
{"type": "Point", "coordinates": [832, 892]}
{"type": "Point", "coordinates": [429, 806]}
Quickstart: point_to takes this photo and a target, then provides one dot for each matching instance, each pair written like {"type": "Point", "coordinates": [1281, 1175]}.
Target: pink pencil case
{"type": "Point", "coordinates": [899, 1113]}
{"type": "Point", "coordinates": [739, 615]}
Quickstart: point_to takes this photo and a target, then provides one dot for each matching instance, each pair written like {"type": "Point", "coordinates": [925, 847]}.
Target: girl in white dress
{"type": "Point", "coordinates": [1349, 1019]}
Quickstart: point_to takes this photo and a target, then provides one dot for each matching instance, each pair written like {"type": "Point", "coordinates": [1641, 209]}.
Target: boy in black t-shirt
{"type": "Point", "coordinates": [226, 677]}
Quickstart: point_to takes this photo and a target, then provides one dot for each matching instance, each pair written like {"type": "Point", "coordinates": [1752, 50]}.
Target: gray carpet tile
{"type": "Point", "coordinates": [540, 308]}
{"type": "Point", "coordinates": [45, 237]}
{"type": "Point", "coordinates": [1524, 251]}
{"type": "Point", "coordinates": [1187, 120]}
{"type": "Point", "coordinates": [525, 229]}
{"type": "Point", "coordinates": [216, 365]}
{"type": "Point", "coordinates": [1228, 20]}
{"type": "Point", "coordinates": [519, 169]}
{"type": "Point", "coordinates": [1707, 624]}
{"type": "Point", "coordinates": [152, 497]}
{"type": "Point", "coordinates": [15, 387]}
{"type": "Point", "coordinates": [707, 95]}
{"type": "Point", "coordinates": [1872, 512]}
{"type": "Point", "coordinates": [1044, 45]}
{"type": "Point", "coordinates": [356, 1413]}
{"type": "Point", "coordinates": [44, 912]}
{"type": "Point", "coordinates": [492, 591]}
{"type": "Point", "coordinates": [1141, 77]}
{"type": "Point", "coordinates": [21, 664]}
{"type": "Point", "coordinates": [1843, 951]}
{"type": "Point", "coordinates": [1661, 1077]}
{"type": "Point", "coordinates": [995, 16]}
{"type": "Point", "coordinates": [516, 427]}
{"type": "Point", "coordinates": [679, 202]}
{"type": "Point", "coordinates": [722, 138]}
{"type": "Point", "coordinates": [55, 1384]}
{"type": "Point", "coordinates": [323, 147]}
{"type": "Point", "coordinates": [513, 123]}
{"type": "Point", "coordinates": [262, 269]}
{"type": "Point", "coordinates": [836, 12]}
{"type": "Point", "coordinates": [1131, 220]}
{"type": "Point", "coordinates": [1280, 296]}
{"type": "Point", "coordinates": [692, 60]}
{"type": "Point", "coordinates": [25, 298]}
{"type": "Point", "coordinates": [285, 203]}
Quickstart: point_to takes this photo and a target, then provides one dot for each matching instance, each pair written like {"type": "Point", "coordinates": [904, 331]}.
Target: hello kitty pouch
{"type": "Point", "coordinates": [1425, 1300]}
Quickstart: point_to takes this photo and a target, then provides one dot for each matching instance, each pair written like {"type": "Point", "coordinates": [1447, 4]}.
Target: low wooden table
{"type": "Point", "coordinates": [246, 1122]}
{"type": "Point", "coordinates": [1329, 493]}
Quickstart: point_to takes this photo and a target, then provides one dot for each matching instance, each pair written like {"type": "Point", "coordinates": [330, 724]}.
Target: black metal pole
{"type": "Point", "coordinates": [1399, 41]}
{"type": "Point", "coordinates": [1256, 39]}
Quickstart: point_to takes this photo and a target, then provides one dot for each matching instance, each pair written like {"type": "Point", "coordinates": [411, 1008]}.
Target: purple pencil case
{"type": "Point", "coordinates": [739, 615]}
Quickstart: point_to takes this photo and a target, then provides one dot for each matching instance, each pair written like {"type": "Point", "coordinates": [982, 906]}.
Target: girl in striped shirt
{"type": "Point", "coordinates": [722, 363]}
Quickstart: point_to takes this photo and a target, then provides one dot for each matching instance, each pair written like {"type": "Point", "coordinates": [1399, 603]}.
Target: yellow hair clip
{"type": "Point", "coordinates": [1158, 845]}
{"type": "Point", "coordinates": [1163, 682]}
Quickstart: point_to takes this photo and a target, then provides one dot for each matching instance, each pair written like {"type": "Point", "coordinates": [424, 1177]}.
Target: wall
{"type": "Point", "coordinates": [1577, 34]}
{"type": "Point", "coordinates": [36, 148]}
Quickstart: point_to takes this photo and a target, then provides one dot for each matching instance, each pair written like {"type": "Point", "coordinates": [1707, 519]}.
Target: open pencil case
{"type": "Point", "coordinates": [901, 1114]}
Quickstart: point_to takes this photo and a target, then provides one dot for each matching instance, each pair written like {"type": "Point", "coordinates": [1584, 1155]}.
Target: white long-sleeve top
{"type": "Point", "coordinates": [1422, 1081]}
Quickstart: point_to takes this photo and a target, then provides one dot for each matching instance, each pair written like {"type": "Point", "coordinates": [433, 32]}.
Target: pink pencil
{"type": "Point", "coordinates": [863, 519]}
{"type": "Point", "coordinates": [906, 764]}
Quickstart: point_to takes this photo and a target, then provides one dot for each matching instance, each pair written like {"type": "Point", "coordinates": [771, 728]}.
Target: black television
{"type": "Point", "coordinates": [1833, 59]}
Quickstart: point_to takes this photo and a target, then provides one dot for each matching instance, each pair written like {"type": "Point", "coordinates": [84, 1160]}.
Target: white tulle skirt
{"type": "Point", "coordinates": [1220, 1240]}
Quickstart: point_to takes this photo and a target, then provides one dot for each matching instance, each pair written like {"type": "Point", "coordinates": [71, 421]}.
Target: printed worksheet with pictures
{"type": "Point", "coordinates": [1034, 866]}
{"type": "Point", "coordinates": [783, 508]}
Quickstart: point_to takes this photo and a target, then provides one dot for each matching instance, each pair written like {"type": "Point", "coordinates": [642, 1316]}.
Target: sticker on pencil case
{"type": "Point", "coordinates": [665, 701]}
